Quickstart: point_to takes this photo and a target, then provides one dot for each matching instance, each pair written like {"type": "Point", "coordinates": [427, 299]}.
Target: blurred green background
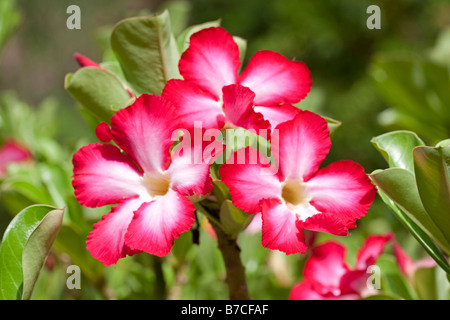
{"type": "Point", "coordinates": [372, 81]}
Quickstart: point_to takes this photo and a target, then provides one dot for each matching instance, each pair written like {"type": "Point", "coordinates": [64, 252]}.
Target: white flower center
{"type": "Point", "coordinates": [297, 198]}
{"type": "Point", "coordinates": [157, 184]}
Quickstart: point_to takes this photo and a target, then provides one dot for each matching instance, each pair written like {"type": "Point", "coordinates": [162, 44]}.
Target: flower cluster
{"type": "Point", "coordinates": [153, 187]}
{"type": "Point", "coordinates": [326, 275]}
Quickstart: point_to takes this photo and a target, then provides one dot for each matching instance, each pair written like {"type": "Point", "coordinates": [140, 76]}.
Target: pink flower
{"type": "Point", "coordinates": [326, 275]}
{"type": "Point", "coordinates": [84, 61]}
{"type": "Point", "coordinates": [213, 92]}
{"type": "Point", "coordinates": [300, 195]}
{"type": "Point", "coordinates": [149, 186]}
{"type": "Point", "coordinates": [12, 152]}
{"type": "Point", "coordinates": [407, 266]}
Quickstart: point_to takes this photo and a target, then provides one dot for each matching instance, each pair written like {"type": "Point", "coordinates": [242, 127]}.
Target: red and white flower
{"type": "Point", "coordinates": [327, 276]}
{"type": "Point", "coordinates": [12, 152]}
{"type": "Point", "coordinates": [213, 92]}
{"type": "Point", "coordinates": [300, 195]}
{"type": "Point", "coordinates": [149, 186]}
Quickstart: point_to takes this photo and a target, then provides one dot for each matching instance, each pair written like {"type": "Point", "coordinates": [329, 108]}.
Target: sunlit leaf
{"type": "Point", "coordinates": [147, 51]}
{"type": "Point", "coordinates": [432, 168]}
{"type": "Point", "coordinates": [98, 90]}
{"type": "Point", "coordinates": [396, 148]}
{"type": "Point", "coordinates": [24, 249]}
{"type": "Point", "coordinates": [400, 186]}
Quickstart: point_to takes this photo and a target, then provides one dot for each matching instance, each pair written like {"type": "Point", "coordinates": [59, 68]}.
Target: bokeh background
{"type": "Point", "coordinates": [348, 66]}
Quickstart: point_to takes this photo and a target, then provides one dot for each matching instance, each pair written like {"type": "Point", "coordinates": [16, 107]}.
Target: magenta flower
{"type": "Point", "coordinates": [300, 195]}
{"type": "Point", "coordinates": [213, 92]}
{"type": "Point", "coordinates": [326, 275]}
{"type": "Point", "coordinates": [149, 186]}
{"type": "Point", "coordinates": [12, 152]}
{"type": "Point", "coordinates": [407, 266]}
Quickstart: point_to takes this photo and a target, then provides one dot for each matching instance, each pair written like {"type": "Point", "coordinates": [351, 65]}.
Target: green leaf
{"type": "Point", "coordinates": [98, 90]}
{"type": "Point", "coordinates": [183, 38]}
{"type": "Point", "coordinates": [37, 248]}
{"type": "Point", "coordinates": [443, 143]}
{"type": "Point", "coordinates": [24, 249]}
{"type": "Point", "coordinates": [400, 186]}
{"type": "Point", "coordinates": [147, 52]}
{"type": "Point", "coordinates": [333, 124]}
{"type": "Point", "coordinates": [232, 219]}
{"type": "Point", "coordinates": [420, 235]}
{"type": "Point", "coordinates": [242, 46]}
{"type": "Point", "coordinates": [432, 168]}
{"type": "Point", "coordinates": [396, 148]}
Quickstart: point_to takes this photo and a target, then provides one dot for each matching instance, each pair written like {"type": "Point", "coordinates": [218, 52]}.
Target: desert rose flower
{"type": "Point", "coordinates": [327, 276]}
{"type": "Point", "coordinates": [11, 152]}
{"type": "Point", "coordinates": [212, 90]}
{"type": "Point", "coordinates": [297, 195]}
{"type": "Point", "coordinates": [149, 186]}
{"type": "Point", "coordinates": [407, 266]}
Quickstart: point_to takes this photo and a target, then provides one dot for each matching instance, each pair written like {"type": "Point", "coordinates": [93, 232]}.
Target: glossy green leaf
{"type": "Point", "coordinates": [443, 143]}
{"type": "Point", "coordinates": [98, 90]}
{"type": "Point", "coordinates": [147, 52]}
{"type": "Point", "coordinates": [432, 168]}
{"type": "Point", "coordinates": [37, 248]}
{"type": "Point", "coordinates": [396, 148]}
{"type": "Point", "coordinates": [25, 246]}
{"type": "Point", "coordinates": [420, 235]}
{"type": "Point", "coordinates": [400, 186]}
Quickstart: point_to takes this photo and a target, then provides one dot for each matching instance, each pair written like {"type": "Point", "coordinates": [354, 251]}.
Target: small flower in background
{"type": "Point", "coordinates": [326, 275]}
{"type": "Point", "coordinates": [149, 186]}
{"type": "Point", "coordinates": [84, 61]}
{"type": "Point", "coordinates": [300, 195]}
{"type": "Point", "coordinates": [407, 266]}
{"type": "Point", "coordinates": [12, 152]}
{"type": "Point", "coordinates": [213, 92]}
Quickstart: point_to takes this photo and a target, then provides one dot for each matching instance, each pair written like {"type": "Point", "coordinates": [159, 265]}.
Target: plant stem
{"type": "Point", "coordinates": [235, 277]}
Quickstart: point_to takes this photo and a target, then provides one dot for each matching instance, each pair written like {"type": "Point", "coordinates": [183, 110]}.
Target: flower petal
{"type": "Point", "coordinates": [11, 152]}
{"type": "Point", "coordinates": [103, 132]}
{"type": "Point", "coordinates": [343, 190]}
{"type": "Point", "coordinates": [277, 114]}
{"type": "Point", "coordinates": [302, 145]}
{"type": "Point", "coordinates": [194, 105]}
{"type": "Point", "coordinates": [106, 241]}
{"type": "Point", "coordinates": [211, 61]}
{"type": "Point", "coordinates": [238, 106]}
{"type": "Point", "coordinates": [279, 228]}
{"type": "Point", "coordinates": [189, 173]}
{"type": "Point", "coordinates": [249, 179]}
{"type": "Point", "coordinates": [275, 79]}
{"type": "Point", "coordinates": [84, 61]}
{"type": "Point", "coordinates": [325, 267]}
{"type": "Point", "coordinates": [372, 248]}
{"type": "Point", "coordinates": [304, 291]}
{"type": "Point", "coordinates": [156, 224]}
{"type": "Point", "coordinates": [144, 131]}
{"type": "Point", "coordinates": [103, 175]}
{"type": "Point", "coordinates": [324, 222]}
